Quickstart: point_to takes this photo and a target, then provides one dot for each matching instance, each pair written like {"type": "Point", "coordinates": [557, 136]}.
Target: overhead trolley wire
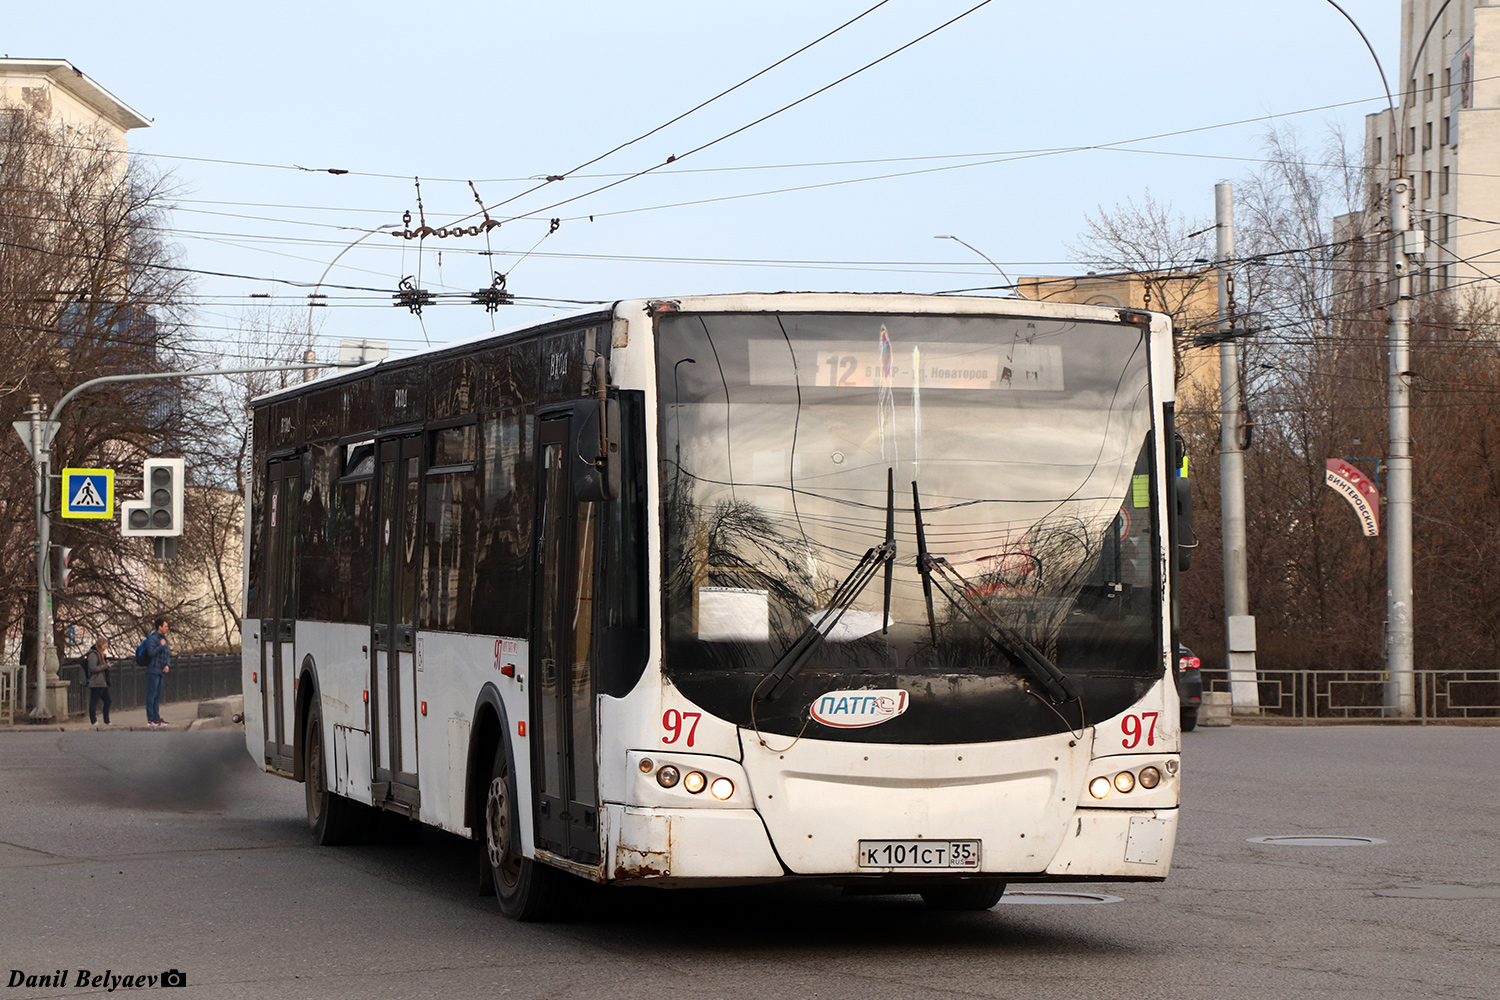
{"type": "Point", "coordinates": [1009, 158]}
{"type": "Point", "coordinates": [298, 168]}
{"type": "Point", "coordinates": [763, 118]}
{"type": "Point", "coordinates": [698, 107]}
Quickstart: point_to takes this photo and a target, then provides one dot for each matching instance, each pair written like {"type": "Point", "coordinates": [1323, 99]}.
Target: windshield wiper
{"type": "Point", "coordinates": [939, 572]}
{"type": "Point", "coordinates": [791, 662]}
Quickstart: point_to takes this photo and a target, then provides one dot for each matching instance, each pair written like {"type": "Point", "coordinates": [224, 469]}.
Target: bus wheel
{"type": "Point", "coordinates": [978, 894]}
{"type": "Point", "coordinates": [525, 889]}
{"type": "Point", "coordinates": [332, 818]}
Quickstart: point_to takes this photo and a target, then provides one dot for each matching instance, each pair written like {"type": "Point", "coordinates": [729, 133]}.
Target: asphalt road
{"type": "Point", "coordinates": [136, 853]}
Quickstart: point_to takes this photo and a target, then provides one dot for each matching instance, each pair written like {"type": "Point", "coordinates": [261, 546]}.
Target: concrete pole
{"type": "Point", "coordinates": [46, 652]}
{"type": "Point", "coordinates": [1239, 626]}
{"type": "Point", "coordinates": [1400, 688]}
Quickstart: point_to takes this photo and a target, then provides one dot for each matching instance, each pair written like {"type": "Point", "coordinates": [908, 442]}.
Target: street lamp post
{"type": "Point", "coordinates": [47, 679]}
{"type": "Point", "coordinates": [981, 253]}
{"type": "Point", "coordinates": [42, 432]}
{"type": "Point", "coordinates": [1400, 683]}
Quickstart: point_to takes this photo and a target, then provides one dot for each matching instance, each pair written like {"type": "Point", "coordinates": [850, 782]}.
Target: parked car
{"type": "Point", "coordinates": [1189, 686]}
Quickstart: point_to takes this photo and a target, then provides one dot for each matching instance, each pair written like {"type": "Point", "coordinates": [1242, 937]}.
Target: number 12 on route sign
{"type": "Point", "coordinates": [88, 493]}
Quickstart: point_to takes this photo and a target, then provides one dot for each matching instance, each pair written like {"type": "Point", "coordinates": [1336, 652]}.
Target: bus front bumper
{"type": "Point", "coordinates": [725, 846]}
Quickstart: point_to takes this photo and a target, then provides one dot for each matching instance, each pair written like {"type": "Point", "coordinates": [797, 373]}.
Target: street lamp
{"type": "Point", "coordinates": [309, 356]}
{"type": "Point", "coordinates": [955, 239]}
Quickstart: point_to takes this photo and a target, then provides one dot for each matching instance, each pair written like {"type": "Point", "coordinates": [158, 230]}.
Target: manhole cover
{"type": "Point", "coordinates": [1440, 892]}
{"type": "Point", "coordinates": [1314, 840]}
{"type": "Point", "coordinates": [1039, 898]}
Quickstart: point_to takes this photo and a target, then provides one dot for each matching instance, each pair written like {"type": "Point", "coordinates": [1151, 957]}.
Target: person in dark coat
{"type": "Point", "coordinates": [96, 668]}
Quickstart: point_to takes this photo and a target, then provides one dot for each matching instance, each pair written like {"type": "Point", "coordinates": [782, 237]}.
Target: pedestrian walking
{"type": "Point", "coordinates": [96, 668]}
{"type": "Point", "coordinates": [158, 663]}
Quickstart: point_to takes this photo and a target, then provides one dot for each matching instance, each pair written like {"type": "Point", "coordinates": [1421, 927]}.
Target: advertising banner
{"type": "Point", "coordinates": [1355, 487]}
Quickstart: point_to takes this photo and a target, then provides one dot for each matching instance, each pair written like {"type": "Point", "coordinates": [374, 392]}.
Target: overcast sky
{"type": "Point", "coordinates": [992, 110]}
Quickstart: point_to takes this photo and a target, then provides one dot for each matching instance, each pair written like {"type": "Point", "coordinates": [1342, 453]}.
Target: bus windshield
{"type": "Point", "coordinates": [1028, 443]}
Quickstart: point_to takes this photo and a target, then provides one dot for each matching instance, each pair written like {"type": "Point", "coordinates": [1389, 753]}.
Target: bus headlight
{"type": "Point", "coordinates": [694, 782]}
{"type": "Point", "coordinates": [1150, 777]}
{"type": "Point", "coordinates": [1099, 787]}
{"type": "Point", "coordinates": [721, 789]}
{"type": "Point", "coordinates": [1124, 781]}
{"type": "Point", "coordinates": [667, 776]}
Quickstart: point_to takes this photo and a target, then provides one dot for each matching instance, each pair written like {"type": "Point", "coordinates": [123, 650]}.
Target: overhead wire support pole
{"type": "Point", "coordinates": [1239, 625]}
{"type": "Point", "coordinates": [46, 652]}
{"type": "Point", "coordinates": [1400, 665]}
{"type": "Point", "coordinates": [41, 460]}
{"type": "Point", "coordinates": [1400, 693]}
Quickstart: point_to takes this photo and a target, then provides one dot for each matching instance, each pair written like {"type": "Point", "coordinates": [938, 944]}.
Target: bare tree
{"type": "Point", "coordinates": [1163, 250]}
{"type": "Point", "coordinates": [1301, 368]}
{"type": "Point", "coordinates": [1312, 295]}
{"type": "Point", "coordinates": [218, 448]}
{"type": "Point", "coordinates": [88, 287]}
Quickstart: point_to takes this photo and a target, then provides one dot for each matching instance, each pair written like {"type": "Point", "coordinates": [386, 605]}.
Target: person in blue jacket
{"type": "Point", "coordinates": [159, 662]}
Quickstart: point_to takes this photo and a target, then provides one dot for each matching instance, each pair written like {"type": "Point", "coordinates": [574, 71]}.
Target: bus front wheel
{"type": "Point", "coordinates": [525, 889]}
{"type": "Point", "coordinates": [332, 818]}
{"type": "Point", "coordinates": [977, 894]}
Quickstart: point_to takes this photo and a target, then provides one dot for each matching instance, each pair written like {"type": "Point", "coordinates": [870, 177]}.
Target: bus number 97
{"type": "Point", "coordinates": [672, 721]}
{"type": "Point", "coordinates": [1134, 726]}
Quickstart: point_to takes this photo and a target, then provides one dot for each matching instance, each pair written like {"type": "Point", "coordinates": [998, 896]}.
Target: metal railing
{"type": "Point", "coordinates": [192, 678]}
{"type": "Point", "coordinates": [10, 688]}
{"type": "Point", "coordinates": [1358, 695]}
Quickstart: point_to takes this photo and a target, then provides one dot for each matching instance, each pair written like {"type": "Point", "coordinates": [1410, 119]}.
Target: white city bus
{"type": "Point", "coordinates": [872, 590]}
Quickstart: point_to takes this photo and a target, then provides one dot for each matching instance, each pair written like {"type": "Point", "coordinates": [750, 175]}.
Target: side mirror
{"type": "Point", "coordinates": [596, 450]}
{"type": "Point", "coordinates": [1183, 497]}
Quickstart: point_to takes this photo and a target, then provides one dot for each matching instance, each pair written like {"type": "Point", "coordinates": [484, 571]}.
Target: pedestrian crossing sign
{"type": "Point", "coordinates": [88, 493]}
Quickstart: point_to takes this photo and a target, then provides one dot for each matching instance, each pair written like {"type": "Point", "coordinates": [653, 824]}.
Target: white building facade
{"type": "Point", "coordinates": [60, 90]}
{"type": "Point", "coordinates": [1445, 137]}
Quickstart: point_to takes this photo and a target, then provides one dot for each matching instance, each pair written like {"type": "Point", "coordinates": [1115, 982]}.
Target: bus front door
{"type": "Point", "coordinates": [563, 751]}
{"type": "Point", "coordinates": [393, 681]}
{"type": "Point", "coordinates": [278, 627]}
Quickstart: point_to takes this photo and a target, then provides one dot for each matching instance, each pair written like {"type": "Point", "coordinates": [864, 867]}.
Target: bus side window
{"type": "Point", "coordinates": [452, 523]}
{"type": "Point", "coordinates": [621, 598]}
{"type": "Point", "coordinates": [504, 523]}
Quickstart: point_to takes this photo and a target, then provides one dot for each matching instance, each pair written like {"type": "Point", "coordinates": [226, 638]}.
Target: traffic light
{"type": "Point", "coordinates": [159, 513]}
{"type": "Point", "coordinates": [62, 568]}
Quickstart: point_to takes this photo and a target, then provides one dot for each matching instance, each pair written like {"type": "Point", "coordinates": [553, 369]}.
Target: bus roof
{"type": "Point", "coordinates": [893, 302]}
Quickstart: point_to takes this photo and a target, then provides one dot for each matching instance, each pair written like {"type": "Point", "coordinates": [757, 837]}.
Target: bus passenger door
{"type": "Point", "coordinates": [567, 804]}
{"type": "Point", "coordinates": [278, 629]}
{"type": "Point", "coordinates": [393, 684]}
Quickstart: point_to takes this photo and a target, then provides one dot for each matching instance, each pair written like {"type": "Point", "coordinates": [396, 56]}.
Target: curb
{"type": "Point", "coordinates": [216, 713]}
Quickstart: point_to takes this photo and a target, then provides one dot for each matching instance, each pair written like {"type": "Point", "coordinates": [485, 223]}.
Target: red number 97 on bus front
{"type": "Point", "coordinates": [1137, 726]}
{"type": "Point", "coordinates": [675, 722]}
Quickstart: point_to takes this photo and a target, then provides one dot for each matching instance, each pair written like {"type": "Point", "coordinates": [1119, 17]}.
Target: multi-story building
{"type": "Point", "coordinates": [58, 89]}
{"type": "Point", "coordinates": [1189, 295]}
{"type": "Point", "coordinates": [1444, 135]}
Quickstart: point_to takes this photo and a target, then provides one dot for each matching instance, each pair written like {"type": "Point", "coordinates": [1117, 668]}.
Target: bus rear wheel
{"type": "Point", "coordinates": [976, 894]}
{"type": "Point", "coordinates": [332, 818]}
{"type": "Point", "coordinates": [524, 888]}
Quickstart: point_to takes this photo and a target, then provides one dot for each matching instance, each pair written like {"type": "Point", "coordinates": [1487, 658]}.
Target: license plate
{"type": "Point", "coordinates": [919, 854]}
